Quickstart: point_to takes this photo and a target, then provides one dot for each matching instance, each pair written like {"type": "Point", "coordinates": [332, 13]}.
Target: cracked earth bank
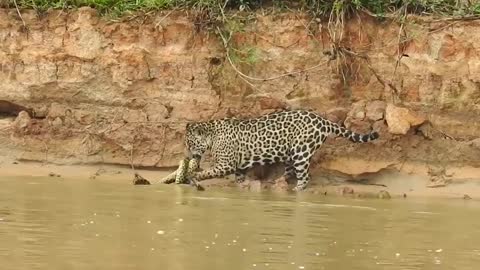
{"type": "Point", "coordinates": [109, 92]}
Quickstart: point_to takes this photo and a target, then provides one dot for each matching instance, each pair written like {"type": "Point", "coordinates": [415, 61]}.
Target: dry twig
{"type": "Point", "coordinates": [400, 41]}
{"type": "Point", "coordinates": [21, 17]}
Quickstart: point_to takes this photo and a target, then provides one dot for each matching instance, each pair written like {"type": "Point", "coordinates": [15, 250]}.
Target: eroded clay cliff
{"type": "Point", "coordinates": [122, 91]}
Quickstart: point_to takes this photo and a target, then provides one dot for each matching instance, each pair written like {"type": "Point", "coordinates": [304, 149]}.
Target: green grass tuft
{"type": "Point", "coordinates": [317, 7]}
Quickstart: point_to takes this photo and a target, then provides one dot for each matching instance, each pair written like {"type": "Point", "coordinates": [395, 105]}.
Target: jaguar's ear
{"type": "Point", "coordinates": [191, 127]}
{"type": "Point", "coordinates": [197, 131]}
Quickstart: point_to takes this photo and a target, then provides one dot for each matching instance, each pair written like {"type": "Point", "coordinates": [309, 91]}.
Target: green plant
{"type": "Point", "coordinates": [316, 7]}
{"type": "Point", "coordinates": [247, 55]}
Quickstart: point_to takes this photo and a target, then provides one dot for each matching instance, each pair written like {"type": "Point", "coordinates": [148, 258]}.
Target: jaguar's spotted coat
{"type": "Point", "coordinates": [291, 137]}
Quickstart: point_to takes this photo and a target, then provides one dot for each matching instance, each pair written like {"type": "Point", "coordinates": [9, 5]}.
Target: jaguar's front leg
{"type": "Point", "coordinates": [223, 166]}
{"type": "Point", "coordinates": [215, 172]}
{"type": "Point", "coordinates": [240, 176]}
{"type": "Point", "coordinates": [220, 169]}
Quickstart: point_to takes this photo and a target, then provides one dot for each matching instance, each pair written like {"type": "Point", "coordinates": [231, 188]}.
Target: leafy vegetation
{"type": "Point", "coordinates": [246, 55]}
{"type": "Point", "coordinates": [317, 7]}
{"type": "Point", "coordinates": [425, 7]}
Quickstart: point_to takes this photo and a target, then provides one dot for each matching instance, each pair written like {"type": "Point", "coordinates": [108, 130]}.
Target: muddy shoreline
{"type": "Point", "coordinates": [412, 181]}
{"type": "Point", "coordinates": [121, 92]}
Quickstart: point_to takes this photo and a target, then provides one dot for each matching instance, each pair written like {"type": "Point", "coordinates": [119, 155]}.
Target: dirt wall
{"type": "Point", "coordinates": [120, 91]}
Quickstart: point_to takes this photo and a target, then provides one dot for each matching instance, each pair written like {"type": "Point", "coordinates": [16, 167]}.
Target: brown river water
{"type": "Point", "coordinates": [48, 223]}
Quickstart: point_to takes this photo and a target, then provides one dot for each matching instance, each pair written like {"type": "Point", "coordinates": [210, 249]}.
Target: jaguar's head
{"type": "Point", "coordinates": [197, 139]}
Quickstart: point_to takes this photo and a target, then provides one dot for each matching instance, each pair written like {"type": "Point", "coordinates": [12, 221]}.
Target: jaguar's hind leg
{"type": "Point", "coordinates": [301, 163]}
{"type": "Point", "coordinates": [289, 169]}
{"type": "Point", "coordinates": [302, 183]}
{"type": "Point", "coordinates": [303, 177]}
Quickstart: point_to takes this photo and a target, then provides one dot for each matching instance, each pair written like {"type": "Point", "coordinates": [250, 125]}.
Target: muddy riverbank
{"type": "Point", "coordinates": [412, 181]}
{"type": "Point", "coordinates": [120, 92]}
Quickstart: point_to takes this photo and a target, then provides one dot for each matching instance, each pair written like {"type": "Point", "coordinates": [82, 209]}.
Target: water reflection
{"type": "Point", "coordinates": [101, 225]}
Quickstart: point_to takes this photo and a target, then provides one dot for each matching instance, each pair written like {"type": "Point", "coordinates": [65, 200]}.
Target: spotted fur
{"type": "Point", "coordinates": [186, 167]}
{"type": "Point", "coordinates": [290, 137]}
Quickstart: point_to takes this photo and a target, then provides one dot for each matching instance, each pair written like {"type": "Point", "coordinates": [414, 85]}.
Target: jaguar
{"type": "Point", "coordinates": [290, 137]}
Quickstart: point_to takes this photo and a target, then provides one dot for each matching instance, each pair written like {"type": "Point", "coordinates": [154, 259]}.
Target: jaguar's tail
{"type": "Point", "coordinates": [352, 136]}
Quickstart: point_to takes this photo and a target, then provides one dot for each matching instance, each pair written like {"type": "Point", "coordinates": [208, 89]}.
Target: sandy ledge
{"type": "Point", "coordinates": [410, 181]}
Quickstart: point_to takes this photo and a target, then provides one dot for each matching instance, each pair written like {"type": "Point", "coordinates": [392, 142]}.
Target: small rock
{"type": "Point", "coordinates": [84, 117]}
{"type": "Point", "coordinates": [375, 110]}
{"type": "Point", "coordinates": [267, 103]}
{"type": "Point", "coordinates": [337, 115]}
{"type": "Point", "coordinates": [359, 115]}
{"type": "Point", "coordinates": [358, 110]}
{"type": "Point", "coordinates": [156, 112]}
{"type": "Point", "coordinates": [399, 120]}
{"type": "Point", "coordinates": [426, 130]}
{"type": "Point", "coordinates": [132, 116]}
{"type": "Point", "coordinates": [397, 148]}
{"type": "Point", "coordinates": [355, 117]}
{"type": "Point", "coordinates": [346, 190]}
{"type": "Point", "coordinates": [245, 184]}
{"type": "Point", "coordinates": [41, 112]}
{"type": "Point", "coordinates": [358, 125]}
{"type": "Point", "coordinates": [381, 127]}
{"type": "Point", "coordinates": [57, 122]}
{"type": "Point", "coordinates": [280, 184]}
{"type": "Point", "coordinates": [383, 194]}
{"type": "Point", "coordinates": [466, 197]}
{"type": "Point", "coordinates": [369, 195]}
{"type": "Point", "coordinates": [255, 185]}
{"type": "Point", "coordinates": [436, 171]}
{"type": "Point", "coordinates": [437, 185]}
{"type": "Point", "coordinates": [475, 143]}
{"type": "Point", "coordinates": [57, 110]}
{"type": "Point", "coordinates": [22, 121]}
